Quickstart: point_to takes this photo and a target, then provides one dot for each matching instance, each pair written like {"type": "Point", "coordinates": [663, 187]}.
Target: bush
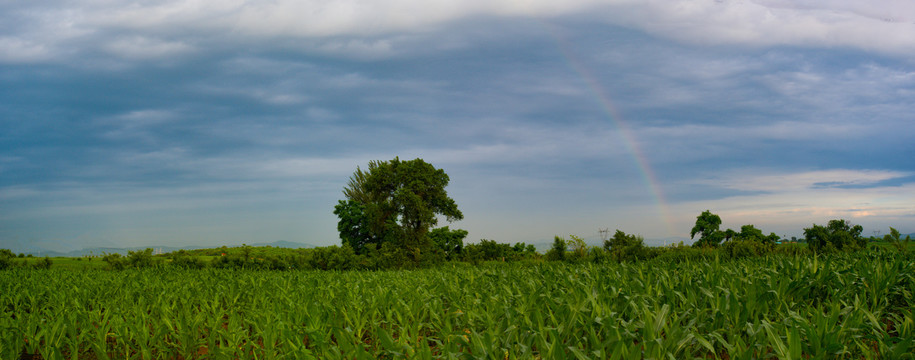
{"type": "Point", "coordinates": [6, 259]}
{"type": "Point", "coordinates": [229, 262]}
{"type": "Point", "coordinates": [624, 247]}
{"type": "Point", "coordinates": [837, 235]}
{"type": "Point", "coordinates": [683, 253]}
{"type": "Point", "coordinates": [188, 262]}
{"type": "Point", "coordinates": [738, 249]}
{"type": "Point", "coordinates": [140, 258]}
{"type": "Point", "coordinates": [558, 251]}
{"type": "Point", "coordinates": [488, 250]}
{"type": "Point", "coordinates": [792, 250]}
{"type": "Point", "coordinates": [599, 255]}
{"type": "Point", "coordinates": [115, 261]}
{"type": "Point", "coordinates": [43, 263]}
{"type": "Point", "coordinates": [447, 243]}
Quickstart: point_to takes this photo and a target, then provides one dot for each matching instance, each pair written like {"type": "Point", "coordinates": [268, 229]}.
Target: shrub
{"type": "Point", "coordinates": [140, 258]}
{"type": "Point", "coordinates": [837, 235]}
{"type": "Point", "coordinates": [738, 249]}
{"type": "Point", "coordinates": [188, 262]}
{"type": "Point", "coordinates": [115, 261]}
{"type": "Point", "coordinates": [558, 251]}
{"type": "Point", "coordinates": [792, 249]}
{"type": "Point", "coordinates": [6, 259]}
{"type": "Point", "coordinates": [625, 247]}
{"type": "Point", "coordinates": [487, 250]}
{"type": "Point", "coordinates": [43, 263]}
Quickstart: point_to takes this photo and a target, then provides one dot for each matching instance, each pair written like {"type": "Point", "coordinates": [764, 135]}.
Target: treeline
{"type": "Point", "coordinates": [7, 260]}
{"type": "Point", "coordinates": [447, 246]}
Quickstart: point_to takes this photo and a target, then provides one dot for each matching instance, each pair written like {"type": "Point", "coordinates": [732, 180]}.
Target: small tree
{"type": "Point", "coordinates": [6, 259]}
{"type": "Point", "coordinates": [837, 235]}
{"type": "Point", "coordinates": [558, 251]}
{"type": "Point", "coordinates": [894, 239]}
{"type": "Point", "coordinates": [43, 263]}
{"type": "Point", "coordinates": [140, 258]}
{"type": "Point", "coordinates": [579, 247]}
{"type": "Point", "coordinates": [750, 233]}
{"type": "Point", "coordinates": [448, 242]}
{"type": "Point", "coordinates": [115, 261]}
{"type": "Point", "coordinates": [707, 228]}
{"type": "Point", "coordinates": [625, 247]}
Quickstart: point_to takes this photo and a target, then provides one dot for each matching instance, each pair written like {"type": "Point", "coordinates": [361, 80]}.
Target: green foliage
{"type": "Point", "coordinates": [625, 247]}
{"type": "Point", "coordinates": [115, 261]}
{"type": "Point", "coordinates": [837, 235]}
{"type": "Point", "coordinates": [6, 259]}
{"type": "Point", "coordinates": [579, 248]}
{"type": "Point", "coordinates": [43, 263]}
{"type": "Point", "coordinates": [792, 250]}
{"type": "Point", "coordinates": [182, 259]}
{"type": "Point", "coordinates": [488, 250]}
{"type": "Point", "coordinates": [836, 306]}
{"type": "Point", "coordinates": [743, 248]}
{"type": "Point", "coordinates": [449, 243]}
{"type": "Point", "coordinates": [750, 233]}
{"type": "Point", "coordinates": [354, 226]}
{"type": "Point", "coordinates": [140, 258]}
{"type": "Point", "coordinates": [558, 251]}
{"type": "Point", "coordinates": [707, 228]}
{"type": "Point", "coordinates": [730, 234]}
{"type": "Point", "coordinates": [395, 201]}
{"type": "Point", "coordinates": [894, 239]}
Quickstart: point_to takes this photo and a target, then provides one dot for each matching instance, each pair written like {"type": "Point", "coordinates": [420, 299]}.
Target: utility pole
{"type": "Point", "coordinates": [604, 234]}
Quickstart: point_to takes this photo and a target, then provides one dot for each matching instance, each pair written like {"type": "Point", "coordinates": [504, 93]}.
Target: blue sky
{"type": "Point", "coordinates": [174, 123]}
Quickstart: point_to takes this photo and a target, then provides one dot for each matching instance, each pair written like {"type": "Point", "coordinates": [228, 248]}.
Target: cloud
{"type": "Point", "coordinates": [787, 201]}
{"type": "Point", "coordinates": [146, 48]}
{"type": "Point", "coordinates": [377, 29]}
{"type": "Point", "coordinates": [772, 181]}
{"type": "Point", "coordinates": [18, 50]}
{"type": "Point", "coordinates": [774, 23]}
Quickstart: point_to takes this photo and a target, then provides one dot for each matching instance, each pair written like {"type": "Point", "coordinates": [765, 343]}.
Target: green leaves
{"type": "Point", "coordinates": [845, 306]}
{"type": "Point", "coordinates": [395, 202]}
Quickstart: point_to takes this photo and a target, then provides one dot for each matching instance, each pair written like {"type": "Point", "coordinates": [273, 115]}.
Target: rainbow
{"type": "Point", "coordinates": [629, 140]}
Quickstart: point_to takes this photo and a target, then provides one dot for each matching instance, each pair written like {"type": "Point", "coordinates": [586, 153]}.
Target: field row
{"type": "Point", "coordinates": [842, 306]}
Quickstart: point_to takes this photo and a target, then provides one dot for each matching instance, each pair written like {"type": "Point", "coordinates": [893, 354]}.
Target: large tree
{"type": "Point", "coordinates": [396, 201]}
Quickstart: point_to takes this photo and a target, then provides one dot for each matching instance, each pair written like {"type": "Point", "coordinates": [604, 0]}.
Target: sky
{"type": "Point", "coordinates": [209, 123]}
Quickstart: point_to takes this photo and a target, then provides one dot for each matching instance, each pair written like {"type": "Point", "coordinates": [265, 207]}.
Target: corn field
{"type": "Point", "coordinates": [836, 307]}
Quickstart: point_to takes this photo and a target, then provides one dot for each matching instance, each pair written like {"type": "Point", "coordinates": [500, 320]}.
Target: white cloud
{"type": "Point", "coordinates": [19, 50]}
{"type": "Point", "coordinates": [357, 28]}
{"type": "Point", "coordinates": [763, 23]}
{"type": "Point", "coordinates": [772, 181]}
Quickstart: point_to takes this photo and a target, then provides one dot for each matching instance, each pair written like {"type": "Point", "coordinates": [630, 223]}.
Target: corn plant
{"type": "Point", "coordinates": [786, 307]}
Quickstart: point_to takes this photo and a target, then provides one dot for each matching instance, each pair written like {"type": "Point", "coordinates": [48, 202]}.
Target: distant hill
{"type": "Point", "coordinates": [285, 244]}
{"type": "Point", "coordinates": [97, 251]}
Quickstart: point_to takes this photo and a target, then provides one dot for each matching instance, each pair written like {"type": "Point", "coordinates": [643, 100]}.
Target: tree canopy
{"type": "Point", "coordinates": [395, 202]}
{"type": "Point", "coordinates": [836, 235]}
{"type": "Point", "coordinates": [707, 228]}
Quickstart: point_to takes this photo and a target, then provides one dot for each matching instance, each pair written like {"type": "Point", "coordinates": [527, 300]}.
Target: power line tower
{"type": "Point", "coordinates": [604, 234]}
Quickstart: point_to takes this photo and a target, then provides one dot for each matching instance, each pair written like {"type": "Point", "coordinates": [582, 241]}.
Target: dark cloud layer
{"type": "Point", "coordinates": [176, 128]}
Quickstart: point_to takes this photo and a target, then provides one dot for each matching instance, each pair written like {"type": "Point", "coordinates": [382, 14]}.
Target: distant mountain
{"type": "Point", "coordinates": [98, 251]}
{"type": "Point", "coordinates": [285, 244]}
